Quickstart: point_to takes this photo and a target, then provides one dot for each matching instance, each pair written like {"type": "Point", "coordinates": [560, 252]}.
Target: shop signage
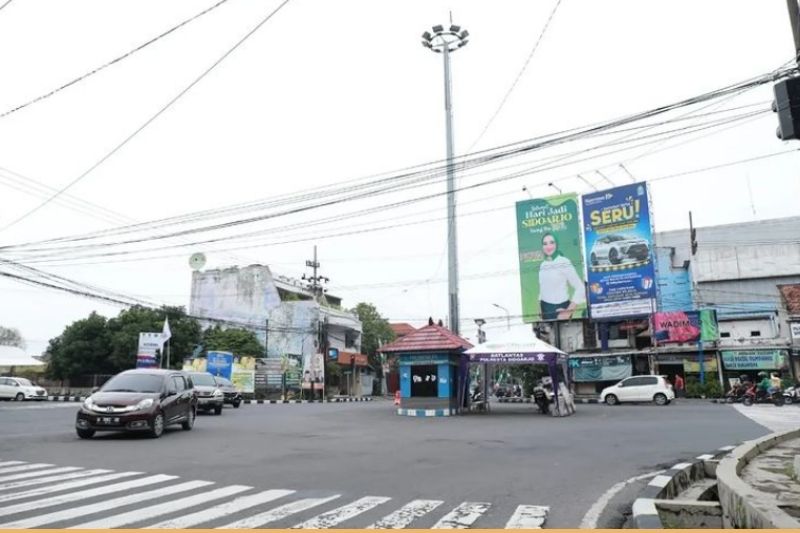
{"type": "Point", "coordinates": [415, 360]}
{"type": "Point", "coordinates": [754, 359]}
{"type": "Point", "coordinates": [513, 357]}
{"type": "Point", "coordinates": [794, 327]}
{"type": "Point", "coordinates": [685, 326]}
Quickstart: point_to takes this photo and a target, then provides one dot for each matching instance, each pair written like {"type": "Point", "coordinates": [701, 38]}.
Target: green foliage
{"type": "Point", "coordinates": [235, 340]}
{"type": "Point", "coordinates": [710, 389]}
{"type": "Point", "coordinates": [96, 345]}
{"type": "Point", "coordinates": [375, 330]}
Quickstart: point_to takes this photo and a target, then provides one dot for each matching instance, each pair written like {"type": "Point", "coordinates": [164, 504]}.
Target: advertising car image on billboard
{"type": "Point", "coordinates": [551, 259]}
{"type": "Point", "coordinates": [619, 251]}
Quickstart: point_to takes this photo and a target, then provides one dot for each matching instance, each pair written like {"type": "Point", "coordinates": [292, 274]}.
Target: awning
{"type": "Point", "coordinates": [13, 356]}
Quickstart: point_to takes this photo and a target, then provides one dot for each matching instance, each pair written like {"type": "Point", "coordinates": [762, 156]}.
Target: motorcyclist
{"type": "Point", "coordinates": [764, 383]}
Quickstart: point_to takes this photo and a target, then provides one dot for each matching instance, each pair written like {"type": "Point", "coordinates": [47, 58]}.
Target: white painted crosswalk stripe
{"type": "Point", "coordinates": [221, 510]}
{"type": "Point", "coordinates": [67, 486]}
{"type": "Point", "coordinates": [23, 468]}
{"type": "Point", "coordinates": [106, 505]}
{"type": "Point", "coordinates": [11, 484]}
{"type": "Point", "coordinates": [37, 473]}
{"type": "Point", "coordinates": [528, 517]}
{"type": "Point", "coordinates": [279, 513]}
{"type": "Point", "coordinates": [11, 463]}
{"type": "Point", "coordinates": [406, 514]}
{"type": "Point", "coordinates": [346, 512]}
{"type": "Point", "coordinates": [463, 516]}
{"type": "Point", "coordinates": [155, 511]}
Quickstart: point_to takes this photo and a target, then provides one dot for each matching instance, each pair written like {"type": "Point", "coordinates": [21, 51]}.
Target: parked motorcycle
{"type": "Point", "coordinates": [791, 395]}
{"type": "Point", "coordinates": [541, 400]}
{"type": "Point", "coordinates": [754, 395]}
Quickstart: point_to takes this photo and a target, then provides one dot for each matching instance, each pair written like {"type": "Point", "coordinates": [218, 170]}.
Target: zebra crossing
{"type": "Point", "coordinates": [34, 495]}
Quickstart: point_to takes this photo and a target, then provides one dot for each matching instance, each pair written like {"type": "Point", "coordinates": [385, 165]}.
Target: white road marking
{"type": "Point", "coordinates": [38, 473]}
{"type": "Point", "coordinates": [593, 514]}
{"type": "Point", "coordinates": [23, 468]}
{"type": "Point", "coordinates": [463, 516]}
{"type": "Point", "coordinates": [69, 485]}
{"type": "Point", "coordinates": [138, 515]}
{"type": "Point", "coordinates": [49, 479]}
{"type": "Point", "coordinates": [10, 463]}
{"type": "Point", "coordinates": [75, 512]}
{"type": "Point", "coordinates": [278, 513]}
{"type": "Point", "coordinates": [406, 514]}
{"type": "Point", "coordinates": [343, 513]}
{"type": "Point", "coordinates": [223, 509]}
{"type": "Point", "coordinates": [528, 517]}
{"type": "Point", "coordinates": [774, 418]}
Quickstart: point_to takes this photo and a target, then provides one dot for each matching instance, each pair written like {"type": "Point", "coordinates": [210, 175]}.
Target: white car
{"type": "Point", "coordinates": [20, 389]}
{"type": "Point", "coordinates": [615, 249]}
{"type": "Point", "coordinates": [639, 389]}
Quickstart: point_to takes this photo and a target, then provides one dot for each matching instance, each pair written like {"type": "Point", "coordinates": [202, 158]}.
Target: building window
{"type": "Point", "coordinates": [755, 333]}
{"type": "Point", "coordinates": [725, 334]}
{"type": "Point", "coordinates": [350, 338]}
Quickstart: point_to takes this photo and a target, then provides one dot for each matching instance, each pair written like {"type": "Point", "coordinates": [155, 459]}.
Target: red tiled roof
{"type": "Point", "coordinates": [428, 339]}
{"type": "Point", "coordinates": [791, 297]}
{"type": "Point", "coordinates": [402, 329]}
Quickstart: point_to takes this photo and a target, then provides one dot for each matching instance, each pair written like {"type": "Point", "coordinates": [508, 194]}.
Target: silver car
{"type": "Point", "coordinates": [615, 249]}
{"type": "Point", "coordinates": [209, 395]}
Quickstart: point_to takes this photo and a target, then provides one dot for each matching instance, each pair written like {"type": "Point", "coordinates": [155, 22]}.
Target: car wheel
{"type": "Point", "coordinates": [660, 399]}
{"type": "Point", "coordinates": [85, 433]}
{"type": "Point", "coordinates": [188, 424]}
{"type": "Point", "coordinates": [157, 426]}
{"type": "Point", "coordinates": [19, 397]}
{"type": "Point", "coordinates": [237, 403]}
{"type": "Point", "coordinates": [613, 256]}
{"type": "Point", "coordinates": [594, 259]}
{"type": "Point", "coordinates": [218, 410]}
{"type": "Point", "coordinates": [611, 399]}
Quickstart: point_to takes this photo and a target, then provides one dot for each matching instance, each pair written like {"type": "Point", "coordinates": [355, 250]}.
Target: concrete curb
{"type": "Point", "coordinates": [743, 507]}
{"type": "Point", "coordinates": [426, 412]}
{"type": "Point", "coordinates": [295, 402]}
{"type": "Point", "coordinates": [64, 399]}
{"type": "Point", "coordinates": [668, 485]}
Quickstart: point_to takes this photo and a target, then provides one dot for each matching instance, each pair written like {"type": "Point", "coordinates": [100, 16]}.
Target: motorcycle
{"type": "Point", "coordinates": [791, 395]}
{"type": "Point", "coordinates": [736, 394]}
{"type": "Point", "coordinates": [754, 395]}
{"type": "Point", "coordinates": [541, 400]}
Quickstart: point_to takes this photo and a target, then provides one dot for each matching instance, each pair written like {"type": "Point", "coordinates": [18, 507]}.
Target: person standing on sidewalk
{"type": "Point", "coordinates": [679, 386]}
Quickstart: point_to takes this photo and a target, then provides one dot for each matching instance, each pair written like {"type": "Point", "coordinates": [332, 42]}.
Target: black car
{"type": "Point", "coordinates": [230, 393]}
{"type": "Point", "coordinates": [141, 400]}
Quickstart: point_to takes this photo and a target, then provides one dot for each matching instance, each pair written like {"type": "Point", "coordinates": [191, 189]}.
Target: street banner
{"type": "Point", "coordinates": [313, 371]}
{"type": "Point", "coordinates": [219, 364]}
{"type": "Point", "coordinates": [754, 359]}
{"type": "Point", "coordinates": [198, 364]}
{"type": "Point", "coordinates": [794, 328]}
{"type": "Point", "coordinates": [619, 250]}
{"type": "Point", "coordinates": [243, 374]}
{"type": "Point", "coordinates": [551, 259]}
{"type": "Point", "coordinates": [150, 345]}
{"type": "Point", "coordinates": [685, 326]}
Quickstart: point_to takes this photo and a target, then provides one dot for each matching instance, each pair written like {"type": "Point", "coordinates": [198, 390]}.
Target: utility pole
{"type": "Point", "coordinates": [794, 20]}
{"type": "Point", "coordinates": [445, 42]}
{"type": "Point", "coordinates": [315, 280]}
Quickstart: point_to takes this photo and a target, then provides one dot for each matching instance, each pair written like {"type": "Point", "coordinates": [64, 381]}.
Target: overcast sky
{"type": "Point", "coordinates": [326, 92]}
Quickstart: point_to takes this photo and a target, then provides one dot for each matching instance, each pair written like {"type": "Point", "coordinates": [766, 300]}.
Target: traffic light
{"type": "Point", "coordinates": [787, 106]}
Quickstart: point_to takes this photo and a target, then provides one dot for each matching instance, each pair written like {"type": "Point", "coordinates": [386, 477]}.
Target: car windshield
{"type": "Point", "coordinates": [24, 382]}
{"type": "Point", "coordinates": [204, 380]}
{"type": "Point", "coordinates": [134, 383]}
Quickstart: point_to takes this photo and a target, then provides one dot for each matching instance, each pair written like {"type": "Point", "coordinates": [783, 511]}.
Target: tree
{"type": "Point", "coordinates": [11, 337]}
{"type": "Point", "coordinates": [82, 348]}
{"type": "Point", "coordinates": [375, 331]}
{"type": "Point", "coordinates": [235, 340]}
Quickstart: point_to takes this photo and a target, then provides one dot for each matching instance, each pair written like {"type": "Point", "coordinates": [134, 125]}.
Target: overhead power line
{"type": "Point", "coordinates": [148, 121]}
{"type": "Point", "coordinates": [114, 61]}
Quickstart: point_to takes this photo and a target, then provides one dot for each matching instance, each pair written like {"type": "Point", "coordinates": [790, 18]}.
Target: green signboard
{"type": "Point", "coordinates": [754, 359]}
{"type": "Point", "coordinates": [551, 259]}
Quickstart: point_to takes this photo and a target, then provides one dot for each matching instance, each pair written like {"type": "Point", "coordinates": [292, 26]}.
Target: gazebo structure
{"type": "Point", "coordinates": [431, 364]}
{"type": "Point", "coordinates": [527, 349]}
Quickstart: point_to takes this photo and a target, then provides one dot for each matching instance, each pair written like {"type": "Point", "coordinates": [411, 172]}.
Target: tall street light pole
{"type": "Point", "coordinates": [446, 41]}
{"type": "Point", "coordinates": [508, 315]}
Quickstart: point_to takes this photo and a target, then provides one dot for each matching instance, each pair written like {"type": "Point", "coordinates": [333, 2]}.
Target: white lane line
{"type": "Point", "coordinates": [528, 517]}
{"type": "Point", "coordinates": [223, 509]}
{"type": "Point", "coordinates": [75, 512]}
{"type": "Point", "coordinates": [11, 463]}
{"type": "Point", "coordinates": [592, 516]}
{"type": "Point", "coordinates": [23, 468]}
{"type": "Point", "coordinates": [146, 513]}
{"type": "Point", "coordinates": [49, 479]}
{"type": "Point", "coordinates": [343, 513]}
{"type": "Point", "coordinates": [65, 486]}
{"type": "Point", "coordinates": [406, 514]}
{"type": "Point", "coordinates": [37, 473]}
{"type": "Point", "coordinates": [80, 495]}
{"type": "Point", "coordinates": [278, 513]}
{"type": "Point", "coordinates": [462, 516]}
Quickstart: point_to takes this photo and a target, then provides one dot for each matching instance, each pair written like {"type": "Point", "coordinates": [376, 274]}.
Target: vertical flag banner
{"type": "Point", "coordinates": [149, 346]}
{"type": "Point", "coordinates": [619, 250]}
{"type": "Point", "coordinates": [551, 259]}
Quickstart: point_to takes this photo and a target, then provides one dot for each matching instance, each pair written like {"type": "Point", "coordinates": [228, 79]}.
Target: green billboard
{"type": "Point", "coordinates": [551, 259]}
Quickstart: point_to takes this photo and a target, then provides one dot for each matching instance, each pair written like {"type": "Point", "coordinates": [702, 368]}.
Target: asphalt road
{"type": "Point", "coordinates": [508, 458]}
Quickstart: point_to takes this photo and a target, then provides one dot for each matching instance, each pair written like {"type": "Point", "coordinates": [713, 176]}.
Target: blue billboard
{"type": "Point", "coordinates": [620, 258]}
{"type": "Point", "coordinates": [220, 364]}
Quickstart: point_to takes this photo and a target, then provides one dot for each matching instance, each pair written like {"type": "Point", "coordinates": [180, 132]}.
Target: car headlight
{"type": "Point", "coordinates": [217, 392]}
{"type": "Point", "coordinates": [144, 404]}
{"type": "Point", "coordinates": [88, 403]}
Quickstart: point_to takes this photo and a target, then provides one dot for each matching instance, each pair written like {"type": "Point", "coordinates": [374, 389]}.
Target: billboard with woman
{"type": "Point", "coordinates": [551, 259]}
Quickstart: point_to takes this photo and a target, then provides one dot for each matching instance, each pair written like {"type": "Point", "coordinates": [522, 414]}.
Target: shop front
{"type": "Point", "coordinates": [687, 365]}
{"type": "Point", "coordinates": [592, 373]}
{"type": "Point", "coordinates": [736, 363]}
